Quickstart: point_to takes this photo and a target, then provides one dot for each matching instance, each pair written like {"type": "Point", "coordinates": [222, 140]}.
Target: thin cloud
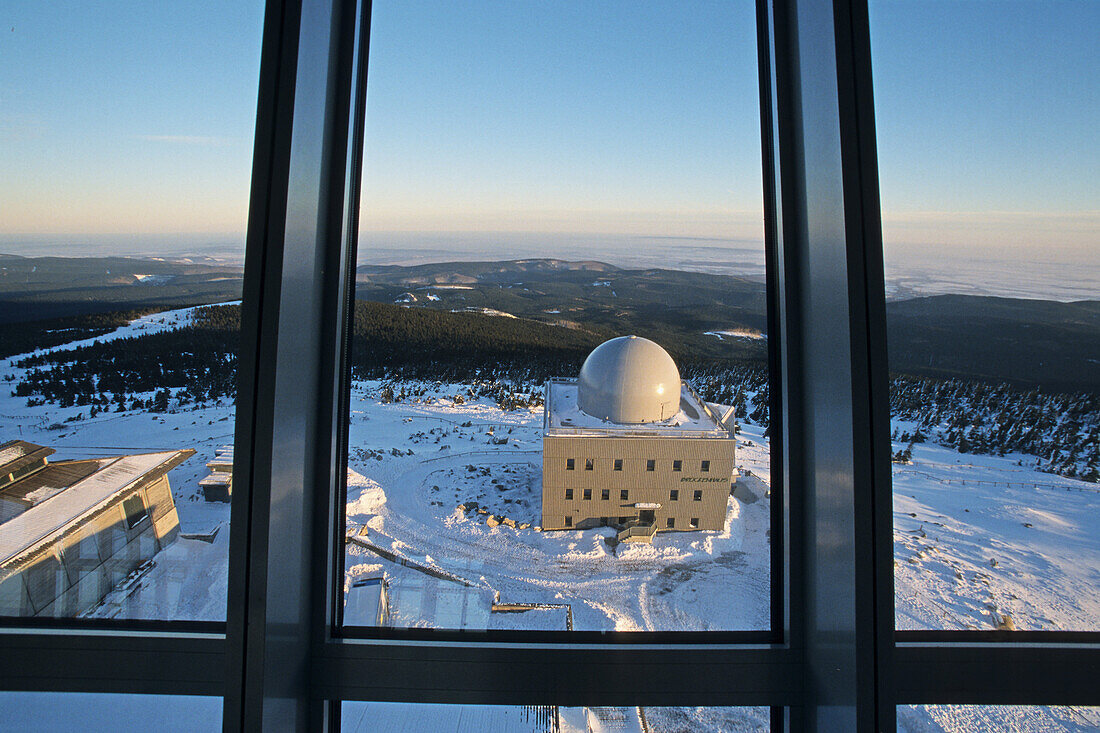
{"type": "Point", "coordinates": [208, 140]}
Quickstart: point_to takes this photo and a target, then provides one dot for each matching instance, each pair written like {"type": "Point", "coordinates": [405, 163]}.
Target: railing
{"type": "Point", "coordinates": [720, 430]}
{"type": "Point", "coordinates": [636, 530]}
{"type": "Point", "coordinates": [621, 432]}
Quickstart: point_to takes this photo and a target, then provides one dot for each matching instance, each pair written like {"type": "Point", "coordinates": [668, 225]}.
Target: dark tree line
{"type": "Point", "coordinates": [193, 364]}
{"type": "Point", "coordinates": [1062, 430]}
{"type": "Point", "coordinates": [410, 350]}
{"type": "Point", "coordinates": [22, 337]}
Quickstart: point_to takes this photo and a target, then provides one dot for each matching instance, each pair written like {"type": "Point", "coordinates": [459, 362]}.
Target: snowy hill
{"type": "Point", "coordinates": [980, 542]}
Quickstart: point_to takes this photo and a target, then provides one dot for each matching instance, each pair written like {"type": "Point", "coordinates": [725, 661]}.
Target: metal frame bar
{"type": "Point", "coordinates": [148, 663]}
{"type": "Point", "coordinates": [833, 660]}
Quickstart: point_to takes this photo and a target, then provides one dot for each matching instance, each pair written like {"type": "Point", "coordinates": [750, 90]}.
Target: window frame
{"type": "Point", "coordinates": [826, 327]}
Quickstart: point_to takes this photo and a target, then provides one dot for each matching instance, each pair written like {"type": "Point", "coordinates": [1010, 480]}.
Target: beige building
{"type": "Point", "coordinates": [218, 486]}
{"type": "Point", "coordinates": [70, 531]}
{"type": "Point", "coordinates": [630, 444]}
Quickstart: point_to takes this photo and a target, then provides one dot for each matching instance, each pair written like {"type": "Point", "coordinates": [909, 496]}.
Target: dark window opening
{"type": "Point", "coordinates": [569, 521]}
{"type": "Point", "coordinates": [618, 464]}
{"type": "Point", "coordinates": [569, 493]}
{"type": "Point", "coordinates": [135, 511]}
{"type": "Point", "coordinates": [705, 467]}
{"type": "Point", "coordinates": [674, 495]}
{"type": "Point", "coordinates": [605, 494]}
{"type": "Point", "coordinates": [677, 465]}
{"type": "Point", "coordinates": [624, 494]}
{"type": "Point", "coordinates": [698, 495]}
{"type": "Point", "coordinates": [589, 464]}
{"type": "Point", "coordinates": [569, 464]}
{"type": "Point", "coordinates": [587, 494]}
{"type": "Point", "coordinates": [670, 522]}
{"type": "Point", "coordinates": [651, 465]}
{"type": "Point", "coordinates": [695, 522]}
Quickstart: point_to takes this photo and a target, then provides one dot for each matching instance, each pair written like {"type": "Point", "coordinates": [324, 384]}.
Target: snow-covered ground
{"type": "Point", "coordinates": [419, 462]}
{"type": "Point", "coordinates": [361, 717]}
{"type": "Point", "coordinates": [979, 538]}
{"type": "Point", "coordinates": [980, 541]}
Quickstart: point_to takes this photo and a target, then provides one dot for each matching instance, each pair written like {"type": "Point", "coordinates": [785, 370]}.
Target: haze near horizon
{"type": "Point", "coordinates": [500, 129]}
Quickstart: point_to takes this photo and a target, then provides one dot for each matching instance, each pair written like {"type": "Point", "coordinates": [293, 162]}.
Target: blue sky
{"type": "Point", "coordinates": [604, 117]}
{"type": "Point", "coordinates": [987, 122]}
{"type": "Point", "coordinates": [133, 117]}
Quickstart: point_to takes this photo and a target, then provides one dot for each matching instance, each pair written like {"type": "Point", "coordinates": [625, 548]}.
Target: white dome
{"type": "Point", "coordinates": [629, 380]}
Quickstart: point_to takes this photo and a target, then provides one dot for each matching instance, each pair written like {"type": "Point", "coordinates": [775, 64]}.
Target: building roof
{"type": "Point", "coordinates": [629, 380]}
{"type": "Point", "coordinates": [46, 519]}
{"type": "Point", "coordinates": [693, 419]}
{"type": "Point", "coordinates": [218, 478]}
{"type": "Point", "coordinates": [18, 455]}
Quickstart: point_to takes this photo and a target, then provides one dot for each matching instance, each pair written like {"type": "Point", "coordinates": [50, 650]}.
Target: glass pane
{"type": "Point", "coordinates": [63, 712]}
{"type": "Point", "coordinates": [125, 157]}
{"type": "Point", "coordinates": [988, 161]}
{"type": "Point", "coordinates": [996, 718]}
{"type": "Point", "coordinates": [540, 181]}
{"type": "Point", "coordinates": [364, 717]}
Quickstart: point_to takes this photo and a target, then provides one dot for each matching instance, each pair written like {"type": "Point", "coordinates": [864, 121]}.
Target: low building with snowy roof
{"type": "Point", "coordinates": [632, 445]}
{"type": "Point", "coordinates": [72, 530]}
{"type": "Point", "coordinates": [218, 486]}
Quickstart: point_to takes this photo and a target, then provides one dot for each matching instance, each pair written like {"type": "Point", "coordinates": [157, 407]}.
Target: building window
{"type": "Point", "coordinates": [670, 522]}
{"type": "Point", "coordinates": [605, 494]}
{"type": "Point", "coordinates": [587, 494]}
{"type": "Point", "coordinates": [134, 510]}
{"type": "Point", "coordinates": [589, 464]}
{"type": "Point", "coordinates": [618, 464]}
{"type": "Point", "coordinates": [569, 493]}
{"type": "Point", "coordinates": [622, 520]}
{"type": "Point", "coordinates": [705, 467]}
{"type": "Point", "coordinates": [698, 495]}
{"type": "Point", "coordinates": [569, 521]}
{"type": "Point", "coordinates": [677, 465]}
{"type": "Point", "coordinates": [651, 465]}
{"type": "Point", "coordinates": [569, 464]}
{"type": "Point", "coordinates": [624, 494]}
{"type": "Point", "coordinates": [695, 522]}
{"type": "Point", "coordinates": [674, 495]}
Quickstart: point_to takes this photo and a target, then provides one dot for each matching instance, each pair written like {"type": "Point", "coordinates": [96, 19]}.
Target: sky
{"type": "Point", "coordinates": [128, 123]}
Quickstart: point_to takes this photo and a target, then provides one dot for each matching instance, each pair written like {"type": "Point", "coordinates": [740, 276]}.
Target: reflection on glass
{"type": "Point", "coordinates": [361, 717]}
{"type": "Point", "coordinates": [988, 160]}
{"type": "Point", "coordinates": [559, 407]}
{"type": "Point", "coordinates": [996, 718]}
{"type": "Point", "coordinates": [125, 150]}
{"type": "Point", "coordinates": [63, 712]}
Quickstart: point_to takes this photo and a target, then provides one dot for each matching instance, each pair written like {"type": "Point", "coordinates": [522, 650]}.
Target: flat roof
{"type": "Point", "coordinates": [562, 417]}
{"type": "Point", "coordinates": [15, 455]}
{"type": "Point", "coordinates": [219, 478]}
{"type": "Point", "coordinates": [49, 518]}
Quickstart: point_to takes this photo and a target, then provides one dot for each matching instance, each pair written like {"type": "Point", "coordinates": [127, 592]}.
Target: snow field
{"type": "Point", "coordinates": [977, 539]}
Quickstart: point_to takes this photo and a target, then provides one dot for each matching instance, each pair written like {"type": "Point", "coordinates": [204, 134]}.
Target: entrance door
{"type": "Point", "coordinates": [646, 516]}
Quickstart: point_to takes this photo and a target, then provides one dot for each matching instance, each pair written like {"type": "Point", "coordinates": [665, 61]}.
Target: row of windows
{"type": "Point", "coordinates": [650, 465]}
{"type": "Point", "coordinates": [624, 494]}
{"type": "Point", "coordinates": [670, 523]}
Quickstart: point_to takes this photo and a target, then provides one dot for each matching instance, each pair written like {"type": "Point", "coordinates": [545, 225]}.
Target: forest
{"type": "Point", "coordinates": [508, 359]}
